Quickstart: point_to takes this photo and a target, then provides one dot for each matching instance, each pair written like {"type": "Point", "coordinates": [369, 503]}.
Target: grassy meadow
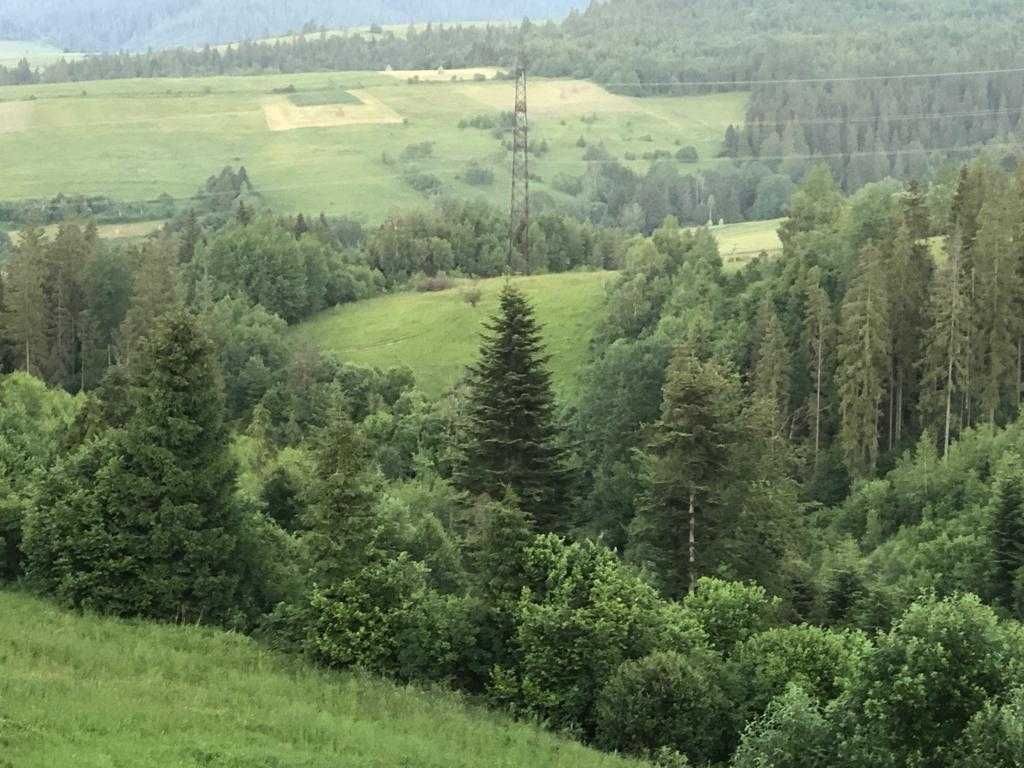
{"type": "Point", "coordinates": [438, 334]}
{"type": "Point", "coordinates": [136, 139]}
{"type": "Point", "coordinates": [86, 692]}
{"type": "Point", "coordinates": [38, 54]}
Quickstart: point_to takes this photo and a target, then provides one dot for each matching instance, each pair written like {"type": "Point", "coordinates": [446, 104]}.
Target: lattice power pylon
{"type": "Point", "coordinates": [519, 223]}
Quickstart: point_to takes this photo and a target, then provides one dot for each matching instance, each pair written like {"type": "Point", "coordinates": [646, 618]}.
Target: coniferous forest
{"type": "Point", "coordinates": [777, 521]}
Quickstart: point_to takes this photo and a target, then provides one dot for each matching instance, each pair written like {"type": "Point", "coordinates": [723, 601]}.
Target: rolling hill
{"type": "Point", "coordinates": [438, 334]}
{"type": "Point", "coordinates": [86, 692]}
{"type": "Point", "coordinates": [112, 25]}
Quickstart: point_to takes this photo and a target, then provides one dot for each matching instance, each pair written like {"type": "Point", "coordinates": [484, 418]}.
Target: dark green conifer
{"type": "Point", "coordinates": [141, 521]}
{"type": "Point", "coordinates": [512, 443]}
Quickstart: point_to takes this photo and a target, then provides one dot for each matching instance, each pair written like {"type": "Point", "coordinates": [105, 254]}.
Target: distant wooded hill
{"type": "Point", "coordinates": [109, 25]}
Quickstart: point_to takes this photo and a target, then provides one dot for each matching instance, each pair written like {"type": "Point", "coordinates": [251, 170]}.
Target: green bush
{"type": "Point", "coordinates": [387, 620]}
{"type": "Point", "coordinates": [821, 661]}
{"type": "Point", "coordinates": [667, 699]}
{"type": "Point", "coordinates": [792, 733]}
{"type": "Point", "coordinates": [731, 612]}
{"type": "Point", "coordinates": [582, 615]}
{"type": "Point", "coordinates": [927, 678]}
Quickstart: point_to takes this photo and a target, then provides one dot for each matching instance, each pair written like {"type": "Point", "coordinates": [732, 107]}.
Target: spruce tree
{"type": "Point", "coordinates": [338, 522]}
{"type": "Point", "coordinates": [819, 333]}
{"type": "Point", "coordinates": [689, 460]}
{"type": "Point", "coordinates": [1008, 531]}
{"type": "Point", "coordinates": [996, 304]}
{"type": "Point", "coordinates": [909, 270]}
{"type": "Point", "coordinates": [512, 443]}
{"type": "Point", "coordinates": [23, 318]}
{"type": "Point", "coordinates": [945, 360]}
{"type": "Point", "coordinates": [140, 520]}
{"type": "Point", "coordinates": [863, 370]}
{"type": "Point", "coordinates": [772, 368]}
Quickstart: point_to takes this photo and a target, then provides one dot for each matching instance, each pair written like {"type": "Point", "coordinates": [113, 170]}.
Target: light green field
{"type": "Point", "coordinates": [398, 30]}
{"type": "Point", "coordinates": [38, 54]}
{"type": "Point", "coordinates": [739, 243]}
{"type": "Point", "coordinates": [83, 692]}
{"type": "Point", "coordinates": [438, 334]}
{"type": "Point", "coordinates": [134, 231]}
{"type": "Point", "coordinates": [136, 139]}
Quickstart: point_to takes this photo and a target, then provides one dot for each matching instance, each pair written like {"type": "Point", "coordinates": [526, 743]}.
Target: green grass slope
{"type": "Point", "coordinates": [84, 692]}
{"type": "Point", "coordinates": [438, 334]}
{"type": "Point", "coordinates": [136, 139]}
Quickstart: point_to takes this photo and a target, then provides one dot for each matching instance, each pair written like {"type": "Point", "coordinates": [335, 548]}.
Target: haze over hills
{"type": "Point", "coordinates": [110, 25]}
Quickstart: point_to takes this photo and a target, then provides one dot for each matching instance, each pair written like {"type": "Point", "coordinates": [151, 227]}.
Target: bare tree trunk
{"type": "Point", "coordinates": [1020, 372]}
{"type": "Point", "coordinates": [892, 403]}
{"type": "Point", "coordinates": [899, 408]}
{"type": "Point", "coordinates": [817, 403]}
{"type": "Point", "coordinates": [949, 399]}
{"type": "Point", "coordinates": [693, 544]}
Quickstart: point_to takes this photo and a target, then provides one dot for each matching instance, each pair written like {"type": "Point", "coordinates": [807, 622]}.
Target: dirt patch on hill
{"type": "Point", "coordinates": [443, 75]}
{"type": "Point", "coordinates": [282, 115]}
{"type": "Point", "coordinates": [15, 116]}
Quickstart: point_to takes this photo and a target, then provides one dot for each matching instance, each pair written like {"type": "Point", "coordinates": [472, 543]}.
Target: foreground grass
{"type": "Point", "coordinates": [84, 692]}
{"type": "Point", "coordinates": [136, 139]}
{"type": "Point", "coordinates": [438, 334]}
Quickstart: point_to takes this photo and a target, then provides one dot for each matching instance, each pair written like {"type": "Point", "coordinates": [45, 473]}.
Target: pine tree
{"type": "Point", "coordinates": [155, 292]}
{"type": "Point", "coordinates": [1008, 531]}
{"type": "Point", "coordinates": [864, 345]}
{"type": "Point", "coordinates": [141, 521]}
{"type": "Point", "coordinates": [909, 270]}
{"type": "Point", "coordinates": [512, 441]}
{"type": "Point", "coordinates": [819, 333]}
{"type": "Point", "coordinates": [338, 522]}
{"type": "Point", "coordinates": [23, 319]}
{"type": "Point", "coordinates": [996, 303]}
{"type": "Point", "coordinates": [945, 362]}
{"type": "Point", "coordinates": [689, 462]}
{"type": "Point", "coordinates": [772, 367]}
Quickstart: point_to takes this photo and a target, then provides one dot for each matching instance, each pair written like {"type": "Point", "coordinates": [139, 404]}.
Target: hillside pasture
{"type": "Point", "coordinates": [138, 139]}
{"type": "Point", "coordinates": [37, 54]}
{"type": "Point", "coordinates": [438, 334]}
{"type": "Point", "coordinates": [87, 692]}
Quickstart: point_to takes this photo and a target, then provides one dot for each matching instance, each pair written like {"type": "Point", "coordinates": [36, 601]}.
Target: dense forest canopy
{"type": "Point", "coordinates": [111, 25]}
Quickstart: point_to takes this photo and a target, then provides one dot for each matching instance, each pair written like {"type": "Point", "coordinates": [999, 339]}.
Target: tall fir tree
{"type": "Point", "coordinates": [863, 370]}
{"type": "Point", "coordinates": [338, 524]}
{"type": "Point", "coordinates": [141, 520]}
{"type": "Point", "coordinates": [819, 337]}
{"type": "Point", "coordinates": [945, 361]}
{"type": "Point", "coordinates": [997, 299]}
{"type": "Point", "coordinates": [689, 458]}
{"type": "Point", "coordinates": [909, 272]}
{"type": "Point", "coordinates": [1007, 509]}
{"type": "Point", "coordinates": [154, 293]}
{"type": "Point", "coordinates": [771, 376]}
{"type": "Point", "coordinates": [513, 440]}
{"type": "Point", "coordinates": [23, 318]}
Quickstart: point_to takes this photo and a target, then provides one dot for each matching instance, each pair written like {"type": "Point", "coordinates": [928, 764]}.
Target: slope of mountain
{"type": "Point", "coordinates": [85, 692]}
{"type": "Point", "coordinates": [108, 25]}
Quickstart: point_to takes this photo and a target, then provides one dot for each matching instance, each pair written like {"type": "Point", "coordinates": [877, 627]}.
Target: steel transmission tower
{"type": "Point", "coordinates": [519, 223]}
